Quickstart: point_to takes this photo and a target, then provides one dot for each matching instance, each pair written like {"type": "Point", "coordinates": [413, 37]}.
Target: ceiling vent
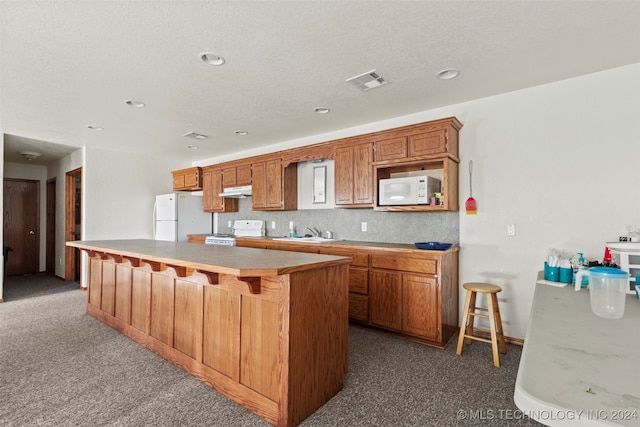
{"type": "Point", "coordinates": [195, 135]}
{"type": "Point", "coordinates": [368, 80]}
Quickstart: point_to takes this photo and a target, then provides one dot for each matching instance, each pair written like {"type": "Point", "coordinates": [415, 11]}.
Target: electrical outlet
{"type": "Point", "coordinates": [511, 229]}
{"type": "Point", "coordinates": [229, 224]}
{"type": "Point", "coordinates": [363, 226]}
{"type": "Point", "coordinates": [290, 225]}
{"type": "Point", "coordinates": [273, 225]}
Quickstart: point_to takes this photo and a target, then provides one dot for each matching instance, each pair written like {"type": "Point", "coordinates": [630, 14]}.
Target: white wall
{"type": "Point", "coordinates": [119, 191]}
{"type": "Point", "coordinates": [558, 161]}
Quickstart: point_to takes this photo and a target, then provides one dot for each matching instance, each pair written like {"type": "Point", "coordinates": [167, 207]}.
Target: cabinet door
{"type": "Point", "coordinates": [363, 174]}
{"type": "Point", "coordinates": [385, 297]}
{"type": "Point", "coordinates": [354, 175]}
{"type": "Point", "coordinates": [211, 189]}
{"type": "Point", "coordinates": [259, 185]}
{"type": "Point", "coordinates": [229, 177]}
{"type": "Point", "coordinates": [344, 175]}
{"type": "Point", "coordinates": [420, 306]}
{"type": "Point", "coordinates": [243, 175]}
{"type": "Point", "coordinates": [428, 143]}
{"type": "Point", "coordinates": [274, 183]}
{"type": "Point", "coordinates": [390, 149]}
{"type": "Point", "coordinates": [178, 181]}
{"type": "Point", "coordinates": [189, 179]}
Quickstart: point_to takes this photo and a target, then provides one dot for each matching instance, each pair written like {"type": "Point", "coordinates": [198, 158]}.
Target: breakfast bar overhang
{"type": "Point", "coordinates": [267, 329]}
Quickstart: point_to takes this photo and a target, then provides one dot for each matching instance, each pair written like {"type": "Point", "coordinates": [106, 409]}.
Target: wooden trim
{"type": "Point", "coordinates": [69, 235]}
{"type": "Point", "coordinates": [50, 231]}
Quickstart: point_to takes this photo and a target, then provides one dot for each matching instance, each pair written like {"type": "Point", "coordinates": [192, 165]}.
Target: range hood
{"type": "Point", "coordinates": [237, 192]}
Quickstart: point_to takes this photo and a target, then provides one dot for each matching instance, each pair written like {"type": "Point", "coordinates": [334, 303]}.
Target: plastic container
{"type": "Point", "coordinates": [607, 290]}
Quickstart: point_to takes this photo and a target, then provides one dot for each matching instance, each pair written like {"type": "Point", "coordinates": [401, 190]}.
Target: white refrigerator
{"type": "Point", "coordinates": [177, 214]}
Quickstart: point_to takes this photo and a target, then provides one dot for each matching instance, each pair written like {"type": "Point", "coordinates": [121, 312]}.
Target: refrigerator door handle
{"type": "Point", "coordinates": [155, 205]}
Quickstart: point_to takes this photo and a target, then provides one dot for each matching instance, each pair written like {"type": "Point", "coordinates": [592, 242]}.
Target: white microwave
{"type": "Point", "coordinates": [410, 190]}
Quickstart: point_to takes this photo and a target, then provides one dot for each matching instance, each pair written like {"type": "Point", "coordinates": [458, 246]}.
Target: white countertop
{"type": "Point", "coordinates": [569, 350]}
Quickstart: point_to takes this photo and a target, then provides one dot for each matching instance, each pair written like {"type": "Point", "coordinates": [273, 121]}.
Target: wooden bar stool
{"type": "Point", "coordinates": [493, 314]}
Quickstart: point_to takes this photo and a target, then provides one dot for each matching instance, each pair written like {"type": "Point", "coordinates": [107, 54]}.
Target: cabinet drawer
{"type": "Point", "coordinates": [428, 143]}
{"type": "Point", "coordinates": [389, 149]}
{"type": "Point", "coordinates": [401, 262]}
{"type": "Point", "coordinates": [359, 307]}
{"type": "Point", "coordinates": [359, 280]}
{"type": "Point", "coordinates": [359, 259]}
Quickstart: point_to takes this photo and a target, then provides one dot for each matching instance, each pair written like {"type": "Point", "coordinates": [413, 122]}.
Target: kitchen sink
{"type": "Point", "coordinates": [305, 239]}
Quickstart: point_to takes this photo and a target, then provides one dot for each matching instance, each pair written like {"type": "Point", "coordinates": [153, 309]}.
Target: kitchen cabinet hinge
{"type": "Point", "coordinates": [437, 331]}
{"type": "Point", "coordinates": [374, 146]}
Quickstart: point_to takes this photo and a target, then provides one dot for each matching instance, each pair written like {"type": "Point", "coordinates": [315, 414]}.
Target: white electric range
{"type": "Point", "coordinates": [241, 228]}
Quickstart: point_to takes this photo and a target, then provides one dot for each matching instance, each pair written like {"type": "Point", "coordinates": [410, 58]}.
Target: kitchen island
{"type": "Point", "coordinates": [267, 329]}
{"type": "Point", "coordinates": [578, 369]}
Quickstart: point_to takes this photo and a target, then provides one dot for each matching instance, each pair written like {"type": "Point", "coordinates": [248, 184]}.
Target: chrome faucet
{"type": "Point", "coordinates": [315, 231]}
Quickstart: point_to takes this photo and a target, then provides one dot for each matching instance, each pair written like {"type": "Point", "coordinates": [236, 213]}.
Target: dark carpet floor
{"type": "Point", "coordinates": [61, 367]}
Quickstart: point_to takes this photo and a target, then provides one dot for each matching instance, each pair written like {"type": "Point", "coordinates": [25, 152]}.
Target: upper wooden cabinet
{"type": "Point", "coordinates": [274, 187]}
{"type": "Point", "coordinates": [425, 140]}
{"type": "Point", "coordinates": [354, 174]}
{"type": "Point", "coordinates": [212, 187]}
{"type": "Point", "coordinates": [360, 162]}
{"type": "Point", "coordinates": [189, 179]}
{"type": "Point", "coordinates": [236, 175]}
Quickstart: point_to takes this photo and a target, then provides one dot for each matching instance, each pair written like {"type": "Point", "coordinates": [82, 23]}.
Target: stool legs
{"type": "Point", "coordinates": [495, 323]}
{"type": "Point", "coordinates": [464, 328]}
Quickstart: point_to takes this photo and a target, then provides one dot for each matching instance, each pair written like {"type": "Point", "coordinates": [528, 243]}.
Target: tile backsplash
{"type": "Point", "coordinates": [392, 227]}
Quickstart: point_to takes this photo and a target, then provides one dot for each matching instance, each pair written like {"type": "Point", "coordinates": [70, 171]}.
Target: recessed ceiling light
{"type": "Point", "coordinates": [241, 132]}
{"type": "Point", "coordinates": [212, 58]}
{"type": "Point", "coordinates": [192, 147]}
{"type": "Point", "coordinates": [132, 103]}
{"type": "Point", "coordinates": [321, 110]}
{"type": "Point", "coordinates": [195, 135]}
{"type": "Point", "coordinates": [95, 127]}
{"type": "Point", "coordinates": [447, 74]}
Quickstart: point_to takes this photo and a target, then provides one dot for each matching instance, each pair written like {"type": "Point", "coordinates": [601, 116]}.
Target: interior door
{"type": "Point", "coordinates": [21, 225]}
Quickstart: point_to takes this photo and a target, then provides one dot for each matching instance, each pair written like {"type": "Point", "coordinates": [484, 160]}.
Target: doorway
{"type": "Point", "coordinates": [21, 206]}
{"type": "Point", "coordinates": [73, 223]}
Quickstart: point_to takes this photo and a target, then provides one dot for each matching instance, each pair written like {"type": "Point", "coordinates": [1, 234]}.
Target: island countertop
{"type": "Point", "coordinates": [577, 368]}
{"type": "Point", "coordinates": [222, 259]}
{"type": "Point", "coordinates": [267, 329]}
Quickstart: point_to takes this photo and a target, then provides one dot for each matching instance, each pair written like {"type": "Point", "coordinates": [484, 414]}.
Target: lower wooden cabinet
{"type": "Point", "coordinates": [386, 299]}
{"type": "Point", "coordinates": [405, 302]}
{"type": "Point", "coordinates": [420, 308]}
{"type": "Point", "coordinates": [406, 292]}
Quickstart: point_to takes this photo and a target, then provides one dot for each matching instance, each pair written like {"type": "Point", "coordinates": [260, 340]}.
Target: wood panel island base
{"type": "Point", "coordinates": [267, 329]}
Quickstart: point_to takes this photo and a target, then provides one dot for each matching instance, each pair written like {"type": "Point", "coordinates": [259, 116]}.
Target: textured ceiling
{"type": "Point", "coordinates": [69, 64]}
